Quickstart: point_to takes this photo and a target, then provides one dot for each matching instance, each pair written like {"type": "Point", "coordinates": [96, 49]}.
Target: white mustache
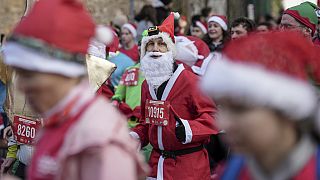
{"type": "Point", "coordinates": [150, 54]}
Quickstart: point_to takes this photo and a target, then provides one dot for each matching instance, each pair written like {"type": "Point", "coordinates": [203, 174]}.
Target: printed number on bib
{"type": "Point", "coordinates": [25, 129]}
{"type": "Point", "coordinates": [157, 112]}
{"type": "Point", "coordinates": [130, 77]}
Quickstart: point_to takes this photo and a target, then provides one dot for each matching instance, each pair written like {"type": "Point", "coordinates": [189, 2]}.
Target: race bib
{"type": "Point", "coordinates": [130, 77]}
{"type": "Point", "coordinates": [25, 129]}
{"type": "Point", "coordinates": [157, 112]}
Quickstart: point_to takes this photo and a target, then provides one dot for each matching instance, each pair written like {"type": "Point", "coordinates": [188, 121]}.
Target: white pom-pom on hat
{"type": "Point", "coordinates": [176, 15]}
{"type": "Point", "coordinates": [104, 34]}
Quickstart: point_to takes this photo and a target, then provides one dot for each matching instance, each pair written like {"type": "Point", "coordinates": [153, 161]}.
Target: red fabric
{"type": "Point", "coordinates": [125, 109]}
{"type": "Point", "coordinates": [297, 53]}
{"type": "Point", "coordinates": [133, 53]}
{"type": "Point", "coordinates": [114, 45]}
{"type": "Point", "coordinates": [48, 17]}
{"type": "Point", "coordinates": [189, 104]}
{"type": "Point", "coordinates": [137, 112]}
{"type": "Point", "coordinates": [105, 91]}
{"type": "Point", "coordinates": [301, 19]}
{"type": "Point", "coordinates": [168, 26]}
{"type": "Point", "coordinates": [44, 161]}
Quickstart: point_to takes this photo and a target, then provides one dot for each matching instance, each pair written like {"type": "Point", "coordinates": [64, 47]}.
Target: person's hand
{"type": "Point", "coordinates": [7, 132]}
{"type": "Point", "coordinates": [180, 130]}
{"type": "Point", "coordinates": [7, 163]}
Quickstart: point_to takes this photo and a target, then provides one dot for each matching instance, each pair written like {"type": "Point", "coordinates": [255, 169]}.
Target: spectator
{"type": "Point", "coordinates": [302, 17]}
{"type": "Point", "coordinates": [217, 34]}
{"type": "Point", "coordinates": [146, 18]}
{"type": "Point", "coordinates": [242, 27]}
{"type": "Point", "coordinates": [128, 44]}
{"type": "Point", "coordinates": [264, 27]}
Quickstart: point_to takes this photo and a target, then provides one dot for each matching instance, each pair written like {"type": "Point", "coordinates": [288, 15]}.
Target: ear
{"type": "Point", "coordinates": [307, 32]}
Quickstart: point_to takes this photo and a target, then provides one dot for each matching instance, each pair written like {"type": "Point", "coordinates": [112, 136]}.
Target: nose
{"type": "Point", "coordinates": [155, 47]}
{"type": "Point", "coordinates": [234, 36]}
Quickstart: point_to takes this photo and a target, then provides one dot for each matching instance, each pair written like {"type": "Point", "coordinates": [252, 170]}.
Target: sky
{"type": "Point", "coordinates": [290, 3]}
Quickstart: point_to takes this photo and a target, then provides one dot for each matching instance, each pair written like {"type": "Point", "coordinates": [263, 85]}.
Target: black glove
{"type": "Point", "coordinates": [180, 130]}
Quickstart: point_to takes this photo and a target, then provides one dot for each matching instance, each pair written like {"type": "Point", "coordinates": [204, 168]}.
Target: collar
{"type": "Point", "coordinates": [291, 165]}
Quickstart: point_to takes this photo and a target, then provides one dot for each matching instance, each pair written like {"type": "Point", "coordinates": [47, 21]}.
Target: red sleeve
{"type": "Point", "coordinates": [142, 129]}
{"type": "Point", "coordinates": [202, 125]}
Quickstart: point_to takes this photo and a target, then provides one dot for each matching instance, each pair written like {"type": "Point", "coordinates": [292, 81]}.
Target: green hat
{"type": "Point", "coordinates": [305, 13]}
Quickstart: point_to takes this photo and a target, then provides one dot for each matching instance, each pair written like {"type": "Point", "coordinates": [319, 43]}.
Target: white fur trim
{"type": "Point", "coordinates": [104, 34]}
{"type": "Point", "coordinates": [202, 70]}
{"type": "Point", "coordinates": [22, 57]}
{"type": "Point", "coordinates": [166, 38]}
{"type": "Point", "coordinates": [131, 28]}
{"type": "Point", "coordinates": [187, 130]}
{"type": "Point", "coordinates": [220, 21]}
{"type": "Point", "coordinates": [257, 86]}
{"type": "Point", "coordinates": [134, 135]}
{"type": "Point", "coordinates": [160, 168]}
{"type": "Point", "coordinates": [202, 27]}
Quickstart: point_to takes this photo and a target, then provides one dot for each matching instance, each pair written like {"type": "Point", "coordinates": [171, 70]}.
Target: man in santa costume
{"type": "Point", "coordinates": [83, 135]}
{"type": "Point", "coordinates": [176, 118]}
{"type": "Point", "coordinates": [268, 107]}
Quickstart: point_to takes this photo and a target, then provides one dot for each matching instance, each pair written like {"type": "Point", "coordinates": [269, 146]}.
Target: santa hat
{"type": "Point", "coordinates": [268, 70]}
{"type": "Point", "coordinates": [200, 25]}
{"type": "Point", "coordinates": [305, 13]}
{"type": "Point", "coordinates": [113, 48]}
{"type": "Point", "coordinates": [132, 28]}
{"type": "Point", "coordinates": [164, 31]}
{"type": "Point", "coordinates": [221, 20]}
{"type": "Point", "coordinates": [193, 45]}
{"type": "Point", "coordinates": [54, 38]}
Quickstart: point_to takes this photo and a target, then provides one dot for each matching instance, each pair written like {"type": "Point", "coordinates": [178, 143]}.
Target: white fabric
{"type": "Point", "coordinates": [258, 86]}
{"type": "Point", "coordinates": [131, 28]}
{"type": "Point", "coordinates": [165, 37]}
{"type": "Point", "coordinates": [22, 57]}
{"type": "Point", "coordinates": [160, 168]}
{"type": "Point", "coordinates": [187, 52]}
{"type": "Point", "coordinates": [157, 3]}
{"type": "Point", "coordinates": [220, 21]}
{"type": "Point", "coordinates": [160, 143]}
{"type": "Point", "coordinates": [134, 135]}
{"type": "Point", "coordinates": [25, 153]}
{"type": "Point", "coordinates": [202, 27]}
{"type": "Point", "coordinates": [158, 70]}
{"type": "Point", "coordinates": [97, 49]}
{"type": "Point", "coordinates": [202, 70]}
{"type": "Point", "coordinates": [187, 130]}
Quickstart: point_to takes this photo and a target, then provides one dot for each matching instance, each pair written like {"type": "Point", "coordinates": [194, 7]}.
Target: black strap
{"type": "Point", "coordinates": [173, 154]}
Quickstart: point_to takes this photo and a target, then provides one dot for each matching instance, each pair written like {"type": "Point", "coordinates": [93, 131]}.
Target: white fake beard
{"type": "Point", "coordinates": [157, 70]}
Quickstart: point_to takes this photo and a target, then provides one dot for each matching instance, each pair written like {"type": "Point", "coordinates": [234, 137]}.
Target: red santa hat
{"type": "Point", "coordinates": [268, 70]}
{"type": "Point", "coordinates": [164, 31]}
{"type": "Point", "coordinates": [54, 38]}
{"type": "Point", "coordinates": [132, 28]}
{"type": "Point", "coordinates": [201, 25]}
{"type": "Point", "coordinates": [113, 48]}
{"type": "Point", "coordinates": [221, 20]}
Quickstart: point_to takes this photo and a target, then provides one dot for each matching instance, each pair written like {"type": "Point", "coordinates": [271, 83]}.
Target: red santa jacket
{"type": "Point", "coordinates": [197, 114]}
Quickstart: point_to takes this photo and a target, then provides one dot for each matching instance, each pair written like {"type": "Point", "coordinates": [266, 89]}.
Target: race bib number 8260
{"type": "Point", "coordinates": [25, 129]}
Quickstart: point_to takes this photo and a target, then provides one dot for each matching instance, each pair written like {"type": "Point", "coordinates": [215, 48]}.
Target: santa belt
{"type": "Point", "coordinates": [173, 154]}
